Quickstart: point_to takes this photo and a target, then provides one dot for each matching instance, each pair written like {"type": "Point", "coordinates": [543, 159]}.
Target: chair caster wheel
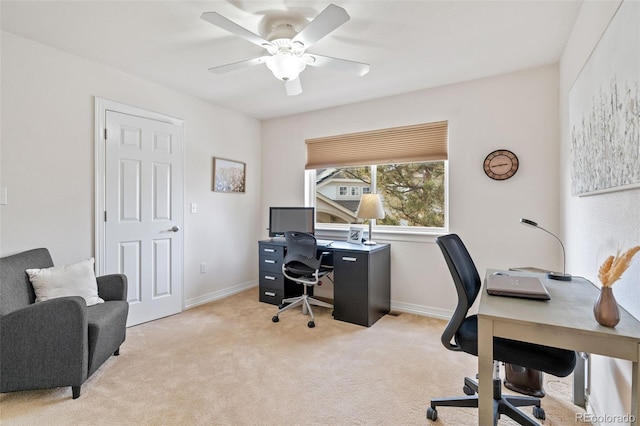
{"type": "Point", "coordinates": [311, 324]}
{"type": "Point", "coordinates": [432, 414]}
{"type": "Point", "coordinates": [467, 390]}
{"type": "Point", "coordinates": [275, 318]}
{"type": "Point", "coordinates": [538, 413]}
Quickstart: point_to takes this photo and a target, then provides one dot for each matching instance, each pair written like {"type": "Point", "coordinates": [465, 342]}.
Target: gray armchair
{"type": "Point", "coordinates": [58, 342]}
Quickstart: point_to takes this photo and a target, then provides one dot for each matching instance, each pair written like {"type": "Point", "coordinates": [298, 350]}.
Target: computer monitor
{"type": "Point", "coordinates": [282, 219]}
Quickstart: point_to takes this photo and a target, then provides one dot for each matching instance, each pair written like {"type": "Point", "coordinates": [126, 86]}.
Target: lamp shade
{"type": "Point", "coordinates": [370, 207]}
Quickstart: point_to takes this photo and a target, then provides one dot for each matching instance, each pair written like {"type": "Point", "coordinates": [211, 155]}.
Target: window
{"type": "Point", "coordinates": [413, 194]}
{"type": "Point", "coordinates": [343, 191]}
{"type": "Point", "coordinates": [406, 166]}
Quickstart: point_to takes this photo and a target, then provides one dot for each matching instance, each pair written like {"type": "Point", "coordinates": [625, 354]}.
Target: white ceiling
{"type": "Point", "coordinates": [410, 45]}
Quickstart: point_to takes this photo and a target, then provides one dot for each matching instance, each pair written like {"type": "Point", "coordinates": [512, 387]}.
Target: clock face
{"type": "Point", "coordinates": [501, 164]}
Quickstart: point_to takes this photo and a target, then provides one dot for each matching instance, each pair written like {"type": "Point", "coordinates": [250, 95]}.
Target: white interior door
{"type": "Point", "coordinates": [143, 212]}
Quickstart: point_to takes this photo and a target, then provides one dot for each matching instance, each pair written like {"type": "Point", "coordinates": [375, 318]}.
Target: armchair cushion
{"type": "Point", "coordinates": [77, 279]}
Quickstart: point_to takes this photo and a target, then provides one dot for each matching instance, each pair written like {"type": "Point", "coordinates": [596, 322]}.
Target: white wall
{"type": "Point", "coordinates": [517, 111]}
{"type": "Point", "coordinates": [596, 226]}
{"type": "Point", "coordinates": [47, 164]}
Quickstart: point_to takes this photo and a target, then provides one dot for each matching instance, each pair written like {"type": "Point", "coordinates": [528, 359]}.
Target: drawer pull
{"type": "Point", "coordinates": [269, 277]}
{"type": "Point", "coordinates": [268, 250]}
{"type": "Point", "coordinates": [269, 261]}
{"type": "Point", "coordinates": [350, 259]}
{"type": "Point", "coordinates": [269, 293]}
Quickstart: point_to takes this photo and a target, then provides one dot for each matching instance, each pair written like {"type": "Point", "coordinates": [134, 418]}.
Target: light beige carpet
{"type": "Point", "coordinates": [226, 363]}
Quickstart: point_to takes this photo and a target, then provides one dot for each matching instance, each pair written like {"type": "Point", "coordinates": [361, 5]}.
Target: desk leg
{"type": "Point", "coordinates": [485, 371]}
{"type": "Point", "coordinates": [635, 394]}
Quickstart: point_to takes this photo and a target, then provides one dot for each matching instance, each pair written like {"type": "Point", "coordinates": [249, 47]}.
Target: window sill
{"type": "Point", "coordinates": [384, 235]}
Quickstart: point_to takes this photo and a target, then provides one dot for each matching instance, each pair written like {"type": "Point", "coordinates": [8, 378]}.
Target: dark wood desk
{"type": "Point", "coordinates": [361, 276]}
{"type": "Point", "coordinates": [566, 321]}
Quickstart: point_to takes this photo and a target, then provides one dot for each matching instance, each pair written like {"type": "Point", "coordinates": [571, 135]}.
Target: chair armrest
{"type": "Point", "coordinates": [112, 287]}
{"type": "Point", "coordinates": [321, 258]}
{"type": "Point", "coordinates": [44, 343]}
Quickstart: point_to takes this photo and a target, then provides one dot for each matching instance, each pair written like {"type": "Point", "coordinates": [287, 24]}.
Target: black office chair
{"type": "Point", "coordinates": [463, 330]}
{"type": "Point", "coordinates": [301, 265]}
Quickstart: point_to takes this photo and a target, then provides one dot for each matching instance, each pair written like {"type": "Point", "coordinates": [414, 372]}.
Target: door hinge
{"type": "Point", "coordinates": [105, 215]}
{"type": "Point", "coordinates": [105, 133]}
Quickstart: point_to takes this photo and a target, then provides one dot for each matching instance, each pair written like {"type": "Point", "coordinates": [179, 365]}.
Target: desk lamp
{"type": "Point", "coordinates": [370, 207]}
{"type": "Point", "coordinates": [552, 275]}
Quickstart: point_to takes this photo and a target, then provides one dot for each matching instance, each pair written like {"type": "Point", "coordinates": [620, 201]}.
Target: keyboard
{"type": "Point", "coordinates": [323, 243]}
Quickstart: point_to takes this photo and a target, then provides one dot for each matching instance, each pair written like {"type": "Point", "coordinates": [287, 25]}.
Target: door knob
{"type": "Point", "coordinates": [175, 228]}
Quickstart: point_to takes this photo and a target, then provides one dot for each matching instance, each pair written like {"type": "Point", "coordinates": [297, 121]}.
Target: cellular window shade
{"type": "Point", "coordinates": [407, 144]}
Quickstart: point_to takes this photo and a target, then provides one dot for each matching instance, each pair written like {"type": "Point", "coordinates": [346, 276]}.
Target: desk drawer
{"type": "Point", "coordinates": [270, 280]}
{"type": "Point", "coordinates": [271, 251]}
{"type": "Point", "coordinates": [271, 258]}
{"type": "Point", "coordinates": [351, 290]}
{"type": "Point", "coordinates": [270, 264]}
{"type": "Point", "coordinates": [271, 295]}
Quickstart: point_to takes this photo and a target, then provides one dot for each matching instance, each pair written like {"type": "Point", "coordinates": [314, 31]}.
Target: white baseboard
{"type": "Point", "coordinates": [409, 308]}
{"type": "Point", "coordinates": [426, 311]}
{"type": "Point", "coordinates": [220, 294]}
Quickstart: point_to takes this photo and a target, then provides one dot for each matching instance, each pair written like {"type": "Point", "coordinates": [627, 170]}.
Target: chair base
{"type": "Point", "coordinates": [502, 404]}
{"type": "Point", "coordinates": [306, 301]}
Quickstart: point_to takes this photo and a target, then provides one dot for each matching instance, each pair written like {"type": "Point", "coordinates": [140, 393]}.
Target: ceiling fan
{"type": "Point", "coordinates": [287, 49]}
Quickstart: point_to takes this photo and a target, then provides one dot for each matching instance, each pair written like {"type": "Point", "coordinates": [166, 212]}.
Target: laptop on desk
{"type": "Point", "coordinates": [503, 284]}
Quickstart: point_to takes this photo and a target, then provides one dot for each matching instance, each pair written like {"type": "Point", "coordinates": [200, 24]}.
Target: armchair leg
{"type": "Point", "coordinates": [75, 390]}
{"type": "Point", "coordinates": [117, 352]}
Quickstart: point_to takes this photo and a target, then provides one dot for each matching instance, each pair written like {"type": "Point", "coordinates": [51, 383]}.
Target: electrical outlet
{"type": "Point", "coordinates": [203, 268]}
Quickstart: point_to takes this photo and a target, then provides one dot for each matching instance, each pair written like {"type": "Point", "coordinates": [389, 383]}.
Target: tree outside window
{"type": "Point", "coordinates": [413, 194]}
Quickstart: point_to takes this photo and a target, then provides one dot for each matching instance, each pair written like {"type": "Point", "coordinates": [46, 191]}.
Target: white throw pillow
{"type": "Point", "coordinates": [77, 279]}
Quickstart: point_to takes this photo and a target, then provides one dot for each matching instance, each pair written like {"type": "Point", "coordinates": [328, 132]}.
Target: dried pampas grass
{"type": "Point", "coordinates": [614, 266]}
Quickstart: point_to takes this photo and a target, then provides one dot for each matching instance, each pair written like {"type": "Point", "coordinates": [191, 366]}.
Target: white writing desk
{"type": "Point", "coordinates": [566, 321]}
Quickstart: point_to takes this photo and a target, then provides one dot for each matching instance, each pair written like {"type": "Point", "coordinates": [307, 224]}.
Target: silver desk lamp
{"type": "Point", "coordinates": [552, 275]}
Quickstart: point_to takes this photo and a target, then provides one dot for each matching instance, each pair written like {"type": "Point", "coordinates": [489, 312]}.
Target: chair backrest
{"type": "Point", "coordinates": [466, 279]}
{"type": "Point", "coordinates": [301, 248]}
{"type": "Point", "coordinates": [16, 291]}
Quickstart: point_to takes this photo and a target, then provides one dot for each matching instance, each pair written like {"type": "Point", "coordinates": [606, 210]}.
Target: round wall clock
{"type": "Point", "coordinates": [501, 164]}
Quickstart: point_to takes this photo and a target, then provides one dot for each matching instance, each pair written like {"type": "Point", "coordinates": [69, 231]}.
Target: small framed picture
{"type": "Point", "coordinates": [228, 175]}
{"type": "Point", "coordinates": [355, 235]}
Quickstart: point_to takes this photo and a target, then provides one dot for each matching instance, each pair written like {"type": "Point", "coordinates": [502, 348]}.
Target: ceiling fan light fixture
{"type": "Point", "coordinates": [285, 66]}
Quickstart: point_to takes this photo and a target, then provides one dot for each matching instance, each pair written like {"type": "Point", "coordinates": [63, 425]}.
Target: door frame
{"type": "Point", "coordinates": [101, 107]}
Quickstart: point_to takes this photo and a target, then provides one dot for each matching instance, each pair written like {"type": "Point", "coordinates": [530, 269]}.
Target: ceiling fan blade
{"type": "Point", "coordinates": [328, 20]}
{"type": "Point", "coordinates": [238, 65]}
{"type": "Point", "coordinates": [293, 87]}
{"type": "Point", "coordinates": [220, 21]}
{"type": "Point", "coordinates": [342, 65]}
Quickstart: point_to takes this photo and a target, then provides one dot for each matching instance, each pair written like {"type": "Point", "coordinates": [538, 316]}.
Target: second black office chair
{"type": "Point", "coordinates": [461, 334]}
{"type": "Point", "coordinates": [302, 265]}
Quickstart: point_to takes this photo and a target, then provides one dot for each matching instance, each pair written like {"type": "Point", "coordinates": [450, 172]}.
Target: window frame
{"type": "Point", "coordinates": [391, 232]}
